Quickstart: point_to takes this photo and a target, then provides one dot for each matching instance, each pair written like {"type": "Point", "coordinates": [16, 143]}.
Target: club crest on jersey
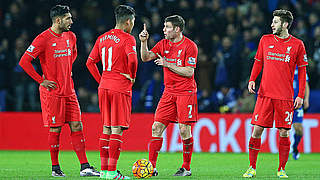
{"type": "Point", "coordinates": [30, 48]}
{"type": "Point", "coordinates": [68, 45]}
{"type": "Point", "coordinates": [166, 52]}
{"type": "Point", "coordinates": [192, 60]}
{"type": "Point", "coordinates": [288, 49]}
{"type": "Point", "coordinates": [54, 44]}
{"type": "Point", "coordinates": [271, 46]}
{"type": "Point", "coordinates": [305, 58]}
{"type": "Point", "coordinates": [179, 53]}
{"type": "Point", "coordinates": [134, 48]}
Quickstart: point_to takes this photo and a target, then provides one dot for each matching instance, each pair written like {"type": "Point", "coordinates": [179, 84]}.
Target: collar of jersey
{"type": "Point", "coordinates": [282, 40]}
{"type": "Point", "coordinates": [177, 43]}
{"type": "Point", "coordinates": [117, 30]}
{"type": "Point", "coordinates": [54, 34]}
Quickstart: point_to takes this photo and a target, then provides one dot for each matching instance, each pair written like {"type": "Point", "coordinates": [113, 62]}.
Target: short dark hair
{"type": "Point", "coordinates": [123, 13]}
{"type": "Point", "coordinates": [177, 21]}
{"type": "Point", "coordinates": [58, 10]}
{"type": "Point", "coordinates": [285, 16]}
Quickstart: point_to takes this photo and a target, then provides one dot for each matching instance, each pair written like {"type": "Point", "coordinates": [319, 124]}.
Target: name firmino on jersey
{"type": "Point", "coordinates": [111, 37]}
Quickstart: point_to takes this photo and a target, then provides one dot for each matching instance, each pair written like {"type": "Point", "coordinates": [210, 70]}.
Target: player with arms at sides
{"type": "Point", "coordinates": [57, 50]}
{"type": "Point", "coordinates": [178, 104]}
{"type": "Point", "coordinates": [278, 54]}
{"type": "Point", "coordinates": [298, 115]}
{"type": "Point", "coordinates": [117, 51]}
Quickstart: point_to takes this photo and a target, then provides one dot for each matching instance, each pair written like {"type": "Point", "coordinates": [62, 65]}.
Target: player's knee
{"type": "Point", "coordinates": [156, 129]}
{"type": "Point", "coordinates": [257, 133]}
{"type": "Point", "coordinates": [185, 132]}
{"type": "Point", "coordinates": [283, 132]}
{"type": "Point", "coordinates": [76, 126]}
{"type": "Point", "coordinates": [55, 129]}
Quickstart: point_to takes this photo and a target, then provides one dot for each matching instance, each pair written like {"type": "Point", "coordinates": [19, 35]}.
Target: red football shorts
{"type": "Point", "coordinates": [267, 110]}
{"type": "Point", "coordinates": [115, 108]}
{"type": "Point", "coordinates": [56, 111]}
{"type": "Point", "coordinates": [177, 109]}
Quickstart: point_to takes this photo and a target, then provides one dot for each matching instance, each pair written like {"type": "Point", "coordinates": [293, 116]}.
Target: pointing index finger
{"type": "Point", "coordinates": [144, 26]}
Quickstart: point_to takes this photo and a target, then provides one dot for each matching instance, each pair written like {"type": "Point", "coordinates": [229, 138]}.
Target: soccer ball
{"type": "Point", "coordinates": [142, 169]}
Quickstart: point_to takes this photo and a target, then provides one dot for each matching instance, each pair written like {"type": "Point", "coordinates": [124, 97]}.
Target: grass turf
{"type": "Point", "coordinates": [36, 165]}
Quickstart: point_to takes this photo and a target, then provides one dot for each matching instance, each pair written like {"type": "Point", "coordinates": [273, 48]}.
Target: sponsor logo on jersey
{"type": "Point", "coordinates": [256, 117]}
{"type": "Point", "coordinates": [305, 58]}
{"type": "Point", "coordinates": [62, 53]}
{"type": "Point", "coordinates": [278, 57]}
{"type": "Point", "coordinates": [134, 48]}
{"type": "Point", "coordinates": [271, 46]}
{"type": "Point", "coordinates": [68, 45]}
{"type": "Point", "coordinates": [54, 44]}
{"type": "Point", "coordinates": [192, 60]}
{"type": "Point", "coordinates": [288, 49]}
{"type": "Point", "coordinates": [30, 48]}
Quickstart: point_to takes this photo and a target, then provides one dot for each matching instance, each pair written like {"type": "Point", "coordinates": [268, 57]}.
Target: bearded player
{"type": "Point", "coordinates": [57, 50]}
{"type": "Point", "coordinates": [178, 104]}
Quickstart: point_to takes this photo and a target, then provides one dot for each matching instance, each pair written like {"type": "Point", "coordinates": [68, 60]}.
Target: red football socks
{"type": "Point", "coordinates": [187, 153]}
{"type": "Point", "coordinates": [114, 151]}
{"type": "Point", "coordinates": [284, 149]}
{"type": "Point", "coordinates": [79, 146]}
{"type": "Point", "coordinates": [104, 151]}
{"type": "Point", "coordinates": [54, 143]}
{"type": "Point", "coordinates": [154, 147]}
{"type": "Point", "coordinates": [254, 148]}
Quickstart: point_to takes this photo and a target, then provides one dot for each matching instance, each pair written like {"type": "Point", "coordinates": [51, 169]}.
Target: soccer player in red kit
{"type": "Point", "coordinates": [117, 51]}
{"type": "Point", "coordinates": [56, 49]}
{"type": "Point", "coordinates": [178, 104]}
{"type": "Point", "coordinates": [278, 54]}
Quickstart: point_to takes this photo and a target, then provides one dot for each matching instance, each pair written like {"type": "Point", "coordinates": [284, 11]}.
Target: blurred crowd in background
{"type": "Point", "coordinates": [227, 33]}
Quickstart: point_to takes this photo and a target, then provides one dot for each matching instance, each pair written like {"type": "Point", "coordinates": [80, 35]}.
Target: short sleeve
{"type": "Point", "coordinates": [158, 48]}
{"type": "Point", "coordinates": [259, 54]}
{"type": "Point", "coordinates": [191, 55]}
{"type": "Point", "coordinates": [94, 54]}
{"type": "Point", "coordinates": [302, 59]}
{"type": "Point", "coordinates": [130, 46]}
{"type": "Point", "coordinates": [36, 47]}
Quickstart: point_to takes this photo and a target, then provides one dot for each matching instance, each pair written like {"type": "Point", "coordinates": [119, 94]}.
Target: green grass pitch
{"type": "Point", "coordinates": [36, 165]}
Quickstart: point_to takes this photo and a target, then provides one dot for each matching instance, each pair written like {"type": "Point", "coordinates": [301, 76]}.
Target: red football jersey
{"type": "Point", "coordinates": [56, 53]}
{"type": "Point", "coordinates": [182, 54]}
{"type": "Point", "coordinates": [280, 58]}
{"type": "Point", "coordinates": [113, 49]}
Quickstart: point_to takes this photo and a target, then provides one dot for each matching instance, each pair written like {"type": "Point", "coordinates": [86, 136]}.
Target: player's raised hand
{"type": "Point", "coordinates": [144, 35]}
{"type": "Point", "coordinates": [49, 84]}
{"type": "Point", "coordinates": [298, 102]}
{"type": "Point", "coordinates": [252, 87]}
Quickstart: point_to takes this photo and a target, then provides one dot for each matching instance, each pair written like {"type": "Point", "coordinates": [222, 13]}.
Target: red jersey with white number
{"type": "Point", "coordinates": [56, 53]}
{"type": "Point", "coordinates": [280, 58]}
{"type": "Point", "coordinates": [113, 49]}
{"type": "Point", "coordinates": [182, 54]}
